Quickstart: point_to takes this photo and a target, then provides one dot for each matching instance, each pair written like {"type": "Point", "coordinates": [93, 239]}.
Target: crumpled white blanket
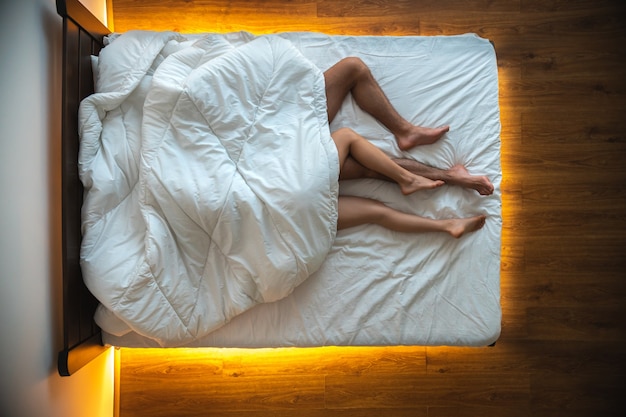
{"type": "Point", "coordinates": [210, 179]}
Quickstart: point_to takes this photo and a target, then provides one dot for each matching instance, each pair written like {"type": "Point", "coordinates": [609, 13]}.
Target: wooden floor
{"type": "Point", "coordinates": [563, 346]}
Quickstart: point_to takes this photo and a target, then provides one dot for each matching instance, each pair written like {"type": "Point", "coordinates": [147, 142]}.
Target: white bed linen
{"type": "Point", "coordinates": [225, 198]}
{"type": "Point", "coordinates": [378, 287]}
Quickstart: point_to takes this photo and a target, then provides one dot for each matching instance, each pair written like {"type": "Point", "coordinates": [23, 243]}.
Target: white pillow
{"type": "Point", "coordinates": [95, 70]}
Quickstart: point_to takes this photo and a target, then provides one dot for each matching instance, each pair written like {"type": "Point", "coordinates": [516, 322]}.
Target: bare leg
{"type": "Point", "coordinates": [355, 211]}
{"type": "Point", "coordinates": [457, 175]}
{"type": "Point", "coordinates": [351, 75]}
{"type": "Point", "coordinates": [349, 143]}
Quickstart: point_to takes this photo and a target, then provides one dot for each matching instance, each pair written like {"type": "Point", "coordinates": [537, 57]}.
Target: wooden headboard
{"type": "Point", "coordinates": [82, 37]}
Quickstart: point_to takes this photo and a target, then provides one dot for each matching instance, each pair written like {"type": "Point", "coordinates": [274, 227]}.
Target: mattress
{"type": "Point", "coordinates": [365, 285]}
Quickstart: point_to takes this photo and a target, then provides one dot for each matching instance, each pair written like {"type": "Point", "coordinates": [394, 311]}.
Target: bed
{"type": "Point", "coordinates": [209, 211]}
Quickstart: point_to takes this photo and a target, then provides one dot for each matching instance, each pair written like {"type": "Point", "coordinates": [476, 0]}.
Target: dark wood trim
{"type": "Point", "coordinates": [70, 361]}
{"type": "Point", "coordinates": [74, 10]}
{"type": "Point", "coordinates": [82, 37]}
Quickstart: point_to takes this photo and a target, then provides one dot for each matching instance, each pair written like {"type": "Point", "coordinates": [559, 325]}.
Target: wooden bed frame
{"type": "Point", "coordinates": [82, 37]}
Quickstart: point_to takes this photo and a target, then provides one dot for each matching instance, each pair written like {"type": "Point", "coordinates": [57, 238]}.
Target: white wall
{"type": "Point", "coordinates": [30, 209]}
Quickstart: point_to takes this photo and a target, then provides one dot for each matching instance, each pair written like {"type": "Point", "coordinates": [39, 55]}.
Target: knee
{"type": "Point", "coordinates": [343, 138]}
{"type": "Point", "coordinates": [344, 133]}
{"type": "Point", "coordinates": [357, 66]}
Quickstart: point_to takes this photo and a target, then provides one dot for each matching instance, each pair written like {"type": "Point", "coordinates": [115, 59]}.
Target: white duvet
{"type": "Point", "coordinates": [209, 216]}
{"type": "Point", "coordinates": [218, 193]}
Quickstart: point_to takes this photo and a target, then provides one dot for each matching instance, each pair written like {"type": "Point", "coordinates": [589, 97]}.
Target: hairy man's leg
{"type": "Point", "coordinates": [351, 75]}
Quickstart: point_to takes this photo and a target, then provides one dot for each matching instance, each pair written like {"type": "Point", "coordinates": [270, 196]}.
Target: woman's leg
{"type": "Point", "coordinates": [456, 175]}
{"type": "Point", "coordinates": [351, 75]}
{"type": "Point", "coordinates": [350, 143]}
{"type": "Point", "coordinates": [356, 211]}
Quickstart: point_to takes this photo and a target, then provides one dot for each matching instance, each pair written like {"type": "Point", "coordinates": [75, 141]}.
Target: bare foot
{"type": "Point", "coordinates": [459, 227]}
{"type": "Point", "coordinates": [418, 135]}
{"type": "Point", "coordinates": [460, 176]}
{"type": "Point", "coordinates": [417, 183]}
